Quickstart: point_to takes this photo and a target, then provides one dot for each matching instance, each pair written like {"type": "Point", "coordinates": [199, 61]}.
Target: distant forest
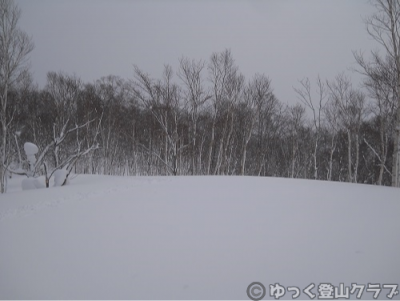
{"type": "Point", "coordinates": [205, 118]}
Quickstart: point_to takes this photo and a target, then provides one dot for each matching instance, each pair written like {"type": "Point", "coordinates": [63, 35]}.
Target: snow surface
{"type": "Point", "coordinates": [108, 237]}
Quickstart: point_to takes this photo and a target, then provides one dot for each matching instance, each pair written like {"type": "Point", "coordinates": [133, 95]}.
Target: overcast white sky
{"type": "Point", "coordinates": [284, 39]}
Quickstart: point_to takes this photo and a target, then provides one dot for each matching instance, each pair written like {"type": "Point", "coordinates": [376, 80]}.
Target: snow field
{"type": "Point", "coordinates": [194, 237]}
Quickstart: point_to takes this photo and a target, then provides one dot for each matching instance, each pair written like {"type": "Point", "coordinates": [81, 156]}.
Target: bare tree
{"type": "Point", "coordinates": [351, 111]}
{"type": "Point", "coordinates": [333, 126]}
{"type": "Point", "coordinates": [15, 45]}
{"type": "Point", "coordinates": [381, 83]}
{"type": "Point", "coordinates": [296, 116]}
{"type": "Point", "coordinates": [196, 95]}
{"type": "Point", "coordinates": [305, 95]}
{"type": "Point", "coordinates": [162, 98]}
{"type": "Point", "coordinates": [257, 94]}
{"type": "Point", "coordinates": [67, 162]}
{"type": "Point", "coordinates": [64, 91]}
{"type": "Point", "coordinates": [113, 94]}
{"type": "Point", "coordinates": [227, 85]}
{"type": "Point", "coordinates": [384, 27]}
{"type": "Point", "coordinates": [269, 124]}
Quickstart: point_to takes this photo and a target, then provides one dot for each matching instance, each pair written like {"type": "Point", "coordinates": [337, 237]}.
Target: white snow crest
{"type": "Point", "coordinates": [30, 149]}
{"type": "Point", "coordinates": [59, 177]}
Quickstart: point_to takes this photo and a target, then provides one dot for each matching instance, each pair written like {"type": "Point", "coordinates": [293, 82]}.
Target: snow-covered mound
{"type": "Point", "coordinates": [195, 237]}
{"type": "Point", "coordinates": [30, 149]}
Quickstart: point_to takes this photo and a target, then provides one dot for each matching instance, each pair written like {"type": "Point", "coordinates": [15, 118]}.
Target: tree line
{"type": "Point", "coordinates": [205, 118]}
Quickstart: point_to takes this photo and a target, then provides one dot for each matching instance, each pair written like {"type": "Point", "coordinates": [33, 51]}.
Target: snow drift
{"type": "Point", "coordinates": [194, 237]}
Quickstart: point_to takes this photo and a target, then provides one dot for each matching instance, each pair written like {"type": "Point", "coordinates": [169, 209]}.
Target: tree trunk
{"type": "Point", "coordinates": [355, 174]}
{"type": "Point", "coordinates": [349, 173]}
{"type": "Point", "coordinates": [315, 159]}
{"type": "Point", "coordinates": [210, 149]}
{"type": "Point", "coordinates": [3, 162]}
{"type": "Point", "coordinates": [395, 166]}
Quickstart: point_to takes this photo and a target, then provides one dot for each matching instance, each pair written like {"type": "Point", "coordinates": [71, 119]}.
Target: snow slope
{"type": "Point", "coordinates": [194, 237]}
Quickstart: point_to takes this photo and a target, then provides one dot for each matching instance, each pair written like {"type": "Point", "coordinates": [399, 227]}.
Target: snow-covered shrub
{"type": "Point", "coordinates": [31, 150]}
{"type": "Point", "coordinates": [59, 177]}
{"type": "Point", "coordinates": [27, 184]}
{"type": "Point", "coordinates": [62, 168]}
{"type": "Point", "coordinates": [31, 183]}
